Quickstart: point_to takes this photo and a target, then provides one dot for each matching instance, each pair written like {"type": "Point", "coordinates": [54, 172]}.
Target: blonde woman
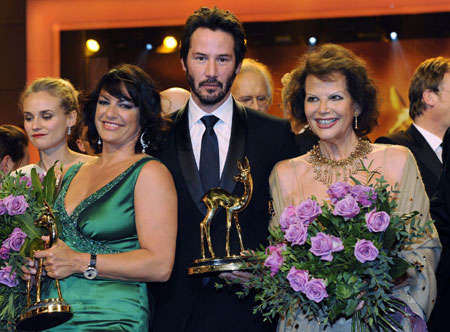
{"type": "Point", "coordinates": [50, 109]}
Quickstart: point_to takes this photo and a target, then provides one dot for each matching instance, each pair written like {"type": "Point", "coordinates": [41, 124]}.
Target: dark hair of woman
{"type": "Point", "coordinates": [144, 94]}
{"type": "Point", "coordinates": [13, 142]}
{"type": "Point", "coordinates": [323, 62]}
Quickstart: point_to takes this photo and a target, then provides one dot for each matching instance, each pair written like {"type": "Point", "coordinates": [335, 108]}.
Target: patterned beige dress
{"type": "Point", "coordinates": [292, 181]}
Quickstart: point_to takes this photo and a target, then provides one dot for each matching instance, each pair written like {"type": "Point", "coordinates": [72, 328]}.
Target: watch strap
{"type": "Point", "coordinates": [93, 261]}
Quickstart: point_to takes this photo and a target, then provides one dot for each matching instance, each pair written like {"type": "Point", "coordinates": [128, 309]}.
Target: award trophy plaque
{"type": "Point", "coordinates": [47, 313]}
{"type": "Point", "coordinates": [213, 199]}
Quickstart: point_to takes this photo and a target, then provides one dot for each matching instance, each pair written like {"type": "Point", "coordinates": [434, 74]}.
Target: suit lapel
{"type": "Point", "coordinates": [426, 153]}
{"type": "Point", "coordinates": [236, 148]}
{"type": "Point", "coordinates": [186, 158]}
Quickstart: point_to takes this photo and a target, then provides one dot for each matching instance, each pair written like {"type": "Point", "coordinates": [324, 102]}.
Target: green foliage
{"type": "Point", "coordinates": [348, 281]}
{"type": "Point", "coordinates": [35, 193]}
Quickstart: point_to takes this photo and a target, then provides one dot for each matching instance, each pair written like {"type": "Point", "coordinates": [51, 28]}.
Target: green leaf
{"type": "Point", "coordinates": [399, 268]}
{"type": "Point", "coordinates": [37, 186]}
{"type": "Point", "coordinates": [49, 183]}
{"type": "Point", "coordinates": [389, 238]}
{"type": "Point", "coordinates": [344, 291]}
{"type": "Point", "coordinates": [335, 311]}
{"type": "Point", "coordinates": [350, 308]}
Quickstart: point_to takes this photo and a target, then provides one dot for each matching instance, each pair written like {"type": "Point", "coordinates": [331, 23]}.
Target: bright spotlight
{"type": "Point", "coordinates": [92, 45]}
{"type": "Point", "coordinates": [393, 35]}
{"type": "Point", "coordinates": [148, 46]}
{"type": "Point", "coordinates": [170, 42]}
{"type": "Point", "coordinates": [312, 40]}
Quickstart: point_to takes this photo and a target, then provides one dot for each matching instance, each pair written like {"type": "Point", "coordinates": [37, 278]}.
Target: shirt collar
{"type": "Point", "coordinates": [431, 138]}
{"type": "Point", "coordinates": [224, 112]}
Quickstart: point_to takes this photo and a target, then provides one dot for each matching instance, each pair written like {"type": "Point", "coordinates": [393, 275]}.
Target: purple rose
{"type": "Point", "coordinates": [324, 245]}
{"type": "Point", "coordinates": [15, 239]}
{"type": "Point", "coordinates": [337, 244]}
{"type": "Point", "coordinates": [4, 253]}
{"type": "Point", "coordinates": [365, 195]}
{"type": "Point", "coordinates": [3, 209]}
{"type": "Point", "coordinates": [275, 258]}
{"type": "Point", "coordinates": [307, 211]}
{"type": "Point", "coordinates": [377, 221]}
{"type": "Point", "coordinates": [347, 208]}
{"type": "Point", "coordinates": [27, 180]}
{"type": "Point", "coordinates": [15, 204]}
{"type": "Point", "coordinates": [298, 279]}
{"type": "Point", "coordinates": [338, 190]}
{"type": "Point", "coordinates": [365, 251]}
{"type": "Point", "coordinates": [296, 234]}
{"type": "Point", "coordinates": [280, 247]}
{"type": "Point", "coordinates": [288, 218]}
{"type": "Point", "coordinates": [315, 290]}
{"type": "Point", "coordinates": [7, 278]}
{"type": "Point", "coordinates": [274, 262]}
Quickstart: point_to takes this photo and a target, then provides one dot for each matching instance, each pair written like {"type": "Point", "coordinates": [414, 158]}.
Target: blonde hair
{"type": "Point", "coordinates": [56, 87]}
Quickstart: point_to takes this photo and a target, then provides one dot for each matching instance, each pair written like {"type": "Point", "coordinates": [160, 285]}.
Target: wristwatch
{"type": "Point", "coordinates": [91, 272]}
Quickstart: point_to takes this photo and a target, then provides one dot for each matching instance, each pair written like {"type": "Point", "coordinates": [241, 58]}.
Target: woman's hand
{"type": "Point", "coordinates": [60, 261]}
{"type": "Point", "coordinates": [29, 270]}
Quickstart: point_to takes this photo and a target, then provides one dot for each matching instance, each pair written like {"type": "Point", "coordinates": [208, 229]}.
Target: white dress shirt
{"type": "Point", "coordinates": [434, 141]}
{"type": "Point", "coordinates": [222, 128]}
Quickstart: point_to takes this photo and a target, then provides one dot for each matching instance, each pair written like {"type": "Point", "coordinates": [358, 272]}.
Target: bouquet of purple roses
{"type": "Point", "coordinates": [21, 203]}
{"type": "Point", "coordinates": [337, 260]}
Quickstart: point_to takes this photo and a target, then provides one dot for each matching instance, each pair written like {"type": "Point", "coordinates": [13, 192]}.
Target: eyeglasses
{"type": "Point", "coordinates": [248, 100]}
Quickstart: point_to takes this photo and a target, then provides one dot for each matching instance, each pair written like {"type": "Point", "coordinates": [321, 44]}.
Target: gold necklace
{"type": "Point", "coordinates": [329, 171]}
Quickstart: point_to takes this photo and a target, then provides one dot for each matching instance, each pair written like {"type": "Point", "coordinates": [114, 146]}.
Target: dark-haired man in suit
{"type": "Point", "coordinates": [430, 111]}
{"type": "Point", "coordinates": [440, 212]}
{"type": "Point", "coordinates": [209, 135]}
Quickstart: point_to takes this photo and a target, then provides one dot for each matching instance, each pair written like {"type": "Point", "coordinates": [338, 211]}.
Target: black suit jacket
{"type": "Point", "coordinates": [440, 212]}
{"type": "Point", "coordinates": [183, 303]}
{"type": "Point", "coordinates": [429, 164]}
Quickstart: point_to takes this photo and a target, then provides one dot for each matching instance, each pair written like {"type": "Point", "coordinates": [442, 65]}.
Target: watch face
{"type": "Point", "coordinates": [90, 273]}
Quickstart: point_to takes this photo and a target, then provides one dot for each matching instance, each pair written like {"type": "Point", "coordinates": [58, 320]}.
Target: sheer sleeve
{"type": "Point", "coordinates": [277, 198]}
{"type": "Point", "coordinates": [420, 293]}
{"type": "Point", "coordinates": [285, 188]}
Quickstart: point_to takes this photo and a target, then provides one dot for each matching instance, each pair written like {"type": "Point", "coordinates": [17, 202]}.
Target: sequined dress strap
{"type": "Point", "coordinates": [70, 232]}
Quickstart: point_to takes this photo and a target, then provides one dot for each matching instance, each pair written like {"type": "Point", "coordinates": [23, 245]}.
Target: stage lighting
{"type": "Point", "coordinates": [312, 41]}
{"type": "Point", "coordinates": [393, 35]}
{"type": "Point", "coordinates": [92, 45]}
{"type": "Point", "coordinates": [148, 46]}
{"type": "Point", "coordinates": [170, 42]}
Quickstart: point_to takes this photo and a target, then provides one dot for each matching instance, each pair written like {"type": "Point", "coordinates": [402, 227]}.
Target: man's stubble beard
{"type": "Point", "coordinates": [210, 100]}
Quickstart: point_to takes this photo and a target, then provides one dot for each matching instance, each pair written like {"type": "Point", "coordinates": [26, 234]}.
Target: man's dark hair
{"type": "Point", "coordinates": [428, 76]}
{"type": "Point", "coordinates": [214, 19]}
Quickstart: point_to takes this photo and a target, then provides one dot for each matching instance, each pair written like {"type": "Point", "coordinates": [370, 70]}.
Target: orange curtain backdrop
{"type": "Point", "coordinates": [47, 18]}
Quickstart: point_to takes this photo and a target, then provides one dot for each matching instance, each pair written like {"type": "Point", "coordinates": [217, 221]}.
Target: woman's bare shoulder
{"type": "Point", "coordinates": [289, 165]}
{"type": "Point", "coordinates": [155, 171]}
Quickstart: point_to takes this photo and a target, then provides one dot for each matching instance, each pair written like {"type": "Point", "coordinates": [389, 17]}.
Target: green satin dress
{"type": "Point", "coordinates": [103, 223]}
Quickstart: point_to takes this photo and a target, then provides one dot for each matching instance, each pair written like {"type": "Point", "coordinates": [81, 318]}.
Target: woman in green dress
{"type": "Point", "coordinates": [118, 212]}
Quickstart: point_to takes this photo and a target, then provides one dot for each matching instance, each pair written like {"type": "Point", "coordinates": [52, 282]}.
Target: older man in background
{"type": "Point", "coordinates": [253, 86]}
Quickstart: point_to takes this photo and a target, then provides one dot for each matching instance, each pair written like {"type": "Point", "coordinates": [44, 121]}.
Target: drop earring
{"type": "Point", "coordinates": [99, 142]}
{"type": "Point", "coordinates": [356, 121]}
{"type": "Point", "coordinates": [143, 143]}
{"type": "Point", "coordinates": [69, 130]}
